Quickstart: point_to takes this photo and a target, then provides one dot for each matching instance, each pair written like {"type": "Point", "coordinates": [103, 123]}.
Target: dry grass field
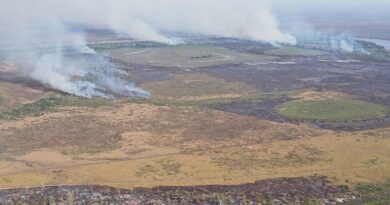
{"type": "Point", "coordinates": [197, 86]}
{"type": "Point", "coordinates": [200, 127]}
{"type": "Point", "coordinates": [130, 145]}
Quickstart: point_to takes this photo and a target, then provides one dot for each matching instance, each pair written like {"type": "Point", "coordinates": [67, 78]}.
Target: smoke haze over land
{"type": "Point", "coordinates": [31, 25]}
{"type": "Point", "coordinates": [145, 19]}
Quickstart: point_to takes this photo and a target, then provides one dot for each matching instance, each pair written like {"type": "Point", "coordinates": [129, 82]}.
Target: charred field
{"type": "Point", "coordinates": [210, 132]}
{"type": "Point", "coordinates": [277, 191]}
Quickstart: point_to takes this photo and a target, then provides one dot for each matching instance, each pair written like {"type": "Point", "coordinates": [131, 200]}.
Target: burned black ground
{"type": "Point", "coordinates": [315, 189]}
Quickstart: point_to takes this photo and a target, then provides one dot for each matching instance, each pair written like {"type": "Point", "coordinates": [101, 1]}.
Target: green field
{"type": "Point", "coordinates": [331, 110]}
{"type": "Point", "coordinates": [373, 194]}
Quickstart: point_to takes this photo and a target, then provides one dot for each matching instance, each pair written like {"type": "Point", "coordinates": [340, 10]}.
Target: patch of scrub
{"type": "Point", "coordinates": [247, 159]}
{"type": "Point", "coordinates": [373, 193]}
{"type": "Point", "coordinates": [69, 135]}
{"type": "Point", "coordinates": [49, 104]}
{"type": "Point", "coordinates": [331, 110]}
{"type": "Point", "coordinates": [1, 100]}
{"type": "Point", "coordinates": [159, 168]}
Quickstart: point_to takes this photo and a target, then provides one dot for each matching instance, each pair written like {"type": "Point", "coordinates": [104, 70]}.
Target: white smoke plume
{"type": "Point", "coordinates": [145, 19]}
{"type": "Point", "coordinates": [38, 32]}
{"type": "Point", "coordinates": [307, 34]}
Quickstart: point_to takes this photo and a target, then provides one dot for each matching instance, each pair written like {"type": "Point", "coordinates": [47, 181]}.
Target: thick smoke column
{"type": "Point", "coordinates": [84, 73]}
{"type": "Point", "coordinates": [45, 49]}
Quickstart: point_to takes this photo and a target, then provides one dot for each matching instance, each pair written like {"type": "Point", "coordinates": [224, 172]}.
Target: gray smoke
{"type": "Point", "coordinates": [146, 19]}
{"type": "Point", "coordinates": [304, 33]}
{"type": "Point", "coordinates": [59, 58]}
{"type": "Point", "coordinates": [46, 49]}
{"type": "Point", "coordinates": [84, 73]}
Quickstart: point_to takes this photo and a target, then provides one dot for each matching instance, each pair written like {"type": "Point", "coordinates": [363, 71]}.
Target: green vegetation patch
{"type": "Point", "coordinates": [1, 100]}
{"type": "Point", "coordinates": [331, 110]}
{"type": "Point", "coordinates": [49, 104]}
{"type": "Point", "coordinates": [291, 51]}
{"type": "Point", "coordinates": [373, 194]}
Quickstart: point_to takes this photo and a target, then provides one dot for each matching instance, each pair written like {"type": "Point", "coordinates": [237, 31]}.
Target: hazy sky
{"type": "Point", "coordinates": [367, 7]}
{"type": "Point", "coordinates": [330, 4]}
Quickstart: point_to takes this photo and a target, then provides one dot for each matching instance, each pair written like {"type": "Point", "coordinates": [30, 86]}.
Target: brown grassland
{"type": "Point", "coordinates": [176, 138]}
{"type": "Point", "coordinates": [130, 144]}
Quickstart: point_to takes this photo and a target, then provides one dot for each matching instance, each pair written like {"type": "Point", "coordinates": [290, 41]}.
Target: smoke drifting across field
{"type": "Point", "coordinates": [38, 31]}
{"type": "Point", "coordinates": [146, 19]}
{"type": "Point", "coordinates": [41, 29]}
